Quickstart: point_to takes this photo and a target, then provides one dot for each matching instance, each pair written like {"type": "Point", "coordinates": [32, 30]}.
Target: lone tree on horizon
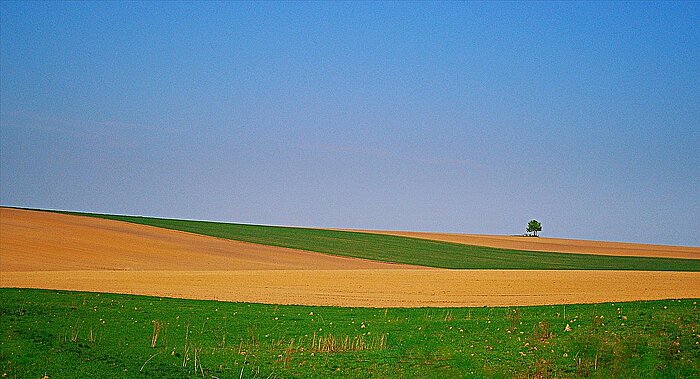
{"type": "Point", "coordinates": [534, 226]}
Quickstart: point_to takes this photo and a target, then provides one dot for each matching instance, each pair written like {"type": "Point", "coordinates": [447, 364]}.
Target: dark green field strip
{"type": "Point", "coordinates": [65, 334]}
{"type": "Point", "coordinates": [408, 250]}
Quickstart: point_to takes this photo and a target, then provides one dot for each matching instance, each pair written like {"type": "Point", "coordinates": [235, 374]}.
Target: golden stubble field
{"type": "Point", "coordinates": [56, 251]}
{"type": "Point", "coordinates": [556, 245]}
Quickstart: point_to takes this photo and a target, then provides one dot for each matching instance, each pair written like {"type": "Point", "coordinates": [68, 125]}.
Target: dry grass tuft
{"type": "Point", "coordinates": [542, 331]}
{"type": "Point", "coordinates": [332, 344]}
{"type": "Point", "coordinates": [156, 332]}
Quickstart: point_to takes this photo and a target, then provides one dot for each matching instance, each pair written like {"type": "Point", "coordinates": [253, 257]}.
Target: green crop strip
{"type": "Point", "coordinates": [408, 250]}
{"type": "Point", "coordinates": [64, 334]}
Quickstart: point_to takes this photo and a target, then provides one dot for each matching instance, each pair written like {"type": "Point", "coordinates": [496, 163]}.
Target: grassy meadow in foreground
{"type": "Point", "coordinates": [408, 250]}
{"type": "Point", "coordinates": [79, 335]}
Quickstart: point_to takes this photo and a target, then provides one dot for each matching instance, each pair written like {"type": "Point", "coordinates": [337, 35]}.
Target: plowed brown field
{"type": "Point", "coordinates": [55, 251]}
{"type": "Point", "coordinates": [377, 288]}
{"type": "Point", "coordinates": [47, 241]}
{"type": "Point", "coordinates": [556, 245]}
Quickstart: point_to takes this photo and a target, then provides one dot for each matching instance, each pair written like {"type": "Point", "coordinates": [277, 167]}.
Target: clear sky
{"type": "Point", "coordinates": [455, 117]}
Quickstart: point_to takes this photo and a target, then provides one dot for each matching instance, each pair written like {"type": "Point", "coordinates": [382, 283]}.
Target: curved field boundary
{"type": "Point", "coordinates": [46, 241]}
{"type": "Point", "coordinates": [377, 288]}
{"type": "Point", "coordinates": [406, 250]}
{"type": "Point", "coordinates": [559, 245]}
{"type": "Point", "coordinates": [57, 251]}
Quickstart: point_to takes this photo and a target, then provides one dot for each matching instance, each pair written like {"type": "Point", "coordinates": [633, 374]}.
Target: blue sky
{"type": "Point", "coordinates": [456, 117]}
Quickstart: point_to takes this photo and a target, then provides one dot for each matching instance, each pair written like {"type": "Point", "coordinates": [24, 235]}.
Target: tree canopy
{"type": "Point", "coordinates": [534, 226]}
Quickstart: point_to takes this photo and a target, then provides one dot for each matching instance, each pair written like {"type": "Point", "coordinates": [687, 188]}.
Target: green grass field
{"type": "Point", "coordinates": [408, 250]}
{"type": "Point", "coordinates": [85, 335]}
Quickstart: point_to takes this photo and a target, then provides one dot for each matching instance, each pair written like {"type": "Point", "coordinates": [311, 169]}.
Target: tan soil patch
{"type": "Point", "coordinates": [557, 245]}
{"type": "Point", "coordinates": [378, 288]}
{"type": "Point", "coordinates": [55, 251]}
{"type": "Point", "coordinates": [46, 241]}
